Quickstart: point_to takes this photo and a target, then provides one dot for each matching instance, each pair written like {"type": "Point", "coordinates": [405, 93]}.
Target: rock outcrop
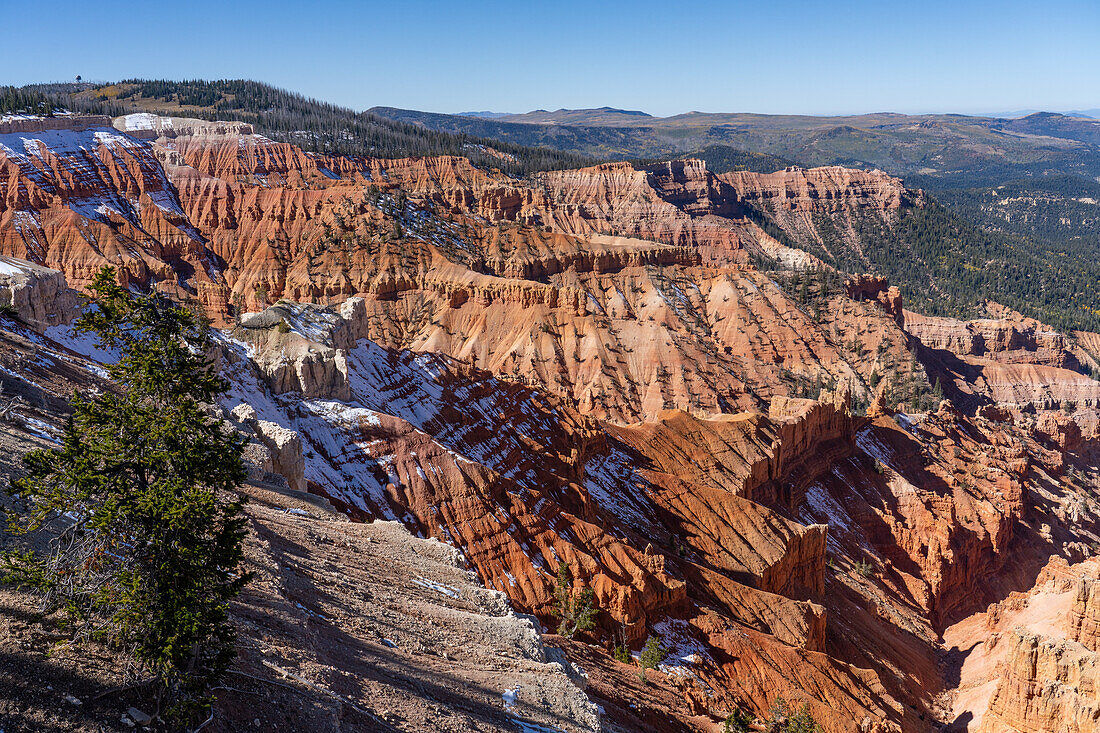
{"type": "Point", "coordinates": [39, 296]}
{"type": "Point", "coordinates": [1084, 616]}
{"type": "Point", "coordinates": [826, 189]}
{"type": "Point", "coordinates": [826, 206]}
{"type": "Point", "coordinates": [869, 287]}
{"type": "Point", "coordinates": [1020, 340]}
{"type": "Point", "coordinates": [76, 195]}
{"type": "Point", "coordinates": [1049, 685]}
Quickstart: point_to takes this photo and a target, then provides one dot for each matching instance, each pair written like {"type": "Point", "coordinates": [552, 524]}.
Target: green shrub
{"type": "Point", "coordinates": [784, 719]}
{"type": "Point", "coordinates": [738, 722]}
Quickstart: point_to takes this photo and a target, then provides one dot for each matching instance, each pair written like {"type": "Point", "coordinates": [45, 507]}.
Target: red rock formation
{"type": "Point", "coordinates": [76, 195]}
{"type": "Point", "coordinates": [616, 198]}
{"type": "Point", "coordinates": [822, 189]}
{"type": "Point", "coordinates": [663, 521]}
{"type": "Point", "coordinates": [800, 200]}
{"type": "Point", "coordinates": [869, 287]}
{"type": "Point", "coordinates": [1059, 430]}
{"type": "Point", "coordinates": [1049, 685]}
{"type": "Point", "coordinates": [1043, 387]}
{"type": "Point", "coordinates": [1005, 340]}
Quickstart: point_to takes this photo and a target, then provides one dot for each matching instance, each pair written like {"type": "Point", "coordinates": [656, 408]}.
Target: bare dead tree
{"type": "Point", "coordinates": [8, 405]}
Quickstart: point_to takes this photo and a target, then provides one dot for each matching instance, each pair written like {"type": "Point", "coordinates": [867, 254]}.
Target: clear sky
{"type": "Point", "coordinates": [797, 56]}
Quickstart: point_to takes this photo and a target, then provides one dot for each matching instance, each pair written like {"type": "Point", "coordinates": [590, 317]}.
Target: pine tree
{"type": "Point", "coordinates": [152, 534]}
{"type": "Point", "coordinates": [738, 722]}
{"type": "Point", "coordinates": [785, 720]}
{"type": "Point", "coordinates": [653, 653]}
{"type": "Point", "coordinates": [577, 613]}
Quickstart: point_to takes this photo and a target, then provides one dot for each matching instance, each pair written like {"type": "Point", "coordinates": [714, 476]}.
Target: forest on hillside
{"type": "Point", "coordinates": [946, 265]}
{"type": "Point", "coordinates": [285, 116]}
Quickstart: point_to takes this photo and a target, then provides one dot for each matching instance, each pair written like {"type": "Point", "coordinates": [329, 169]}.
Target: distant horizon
{"type": "Point", "coordinates": [1014, 114]}
{"type": "Point", "coordinates": [1089, 112]}
{"type": "Point", "coordinates": [798, 57]}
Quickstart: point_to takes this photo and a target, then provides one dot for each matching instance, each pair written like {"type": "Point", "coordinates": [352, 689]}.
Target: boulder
{"type": "Point", "coordinates": [39, 296]}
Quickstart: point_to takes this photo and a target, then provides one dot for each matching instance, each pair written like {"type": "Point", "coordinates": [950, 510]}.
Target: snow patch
{"type": "Point", "coordinates": [684, 651]}
{"type": "Point", "coordinates": [823, 504]}
{"type": "Point", "coordinates": [8, 267]}
{"type": "Point", "coordinates": [443, 588]}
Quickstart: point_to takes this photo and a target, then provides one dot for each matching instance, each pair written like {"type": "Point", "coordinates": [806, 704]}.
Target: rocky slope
{"type": "Point", "coordinates": [585, 367]}
{"type": "Point", "coordinates": [828, 206]}
{"type": "Point", "coordinates": [600, 284]}
{"type": "Point", "coordinates": [346, 626]}
{"type": "Point", "coordinates": [36, 295]}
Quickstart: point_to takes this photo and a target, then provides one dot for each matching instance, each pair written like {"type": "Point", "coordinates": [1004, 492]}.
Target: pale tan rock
{"type": "Point", "coordinates": [1083, 625]}
{"type": "Point", "coordinates": [1048, 685]}
{"type": "Point", "coordinates": [286, 452]}
{"type": "Point", "coordinates": [40, 296]}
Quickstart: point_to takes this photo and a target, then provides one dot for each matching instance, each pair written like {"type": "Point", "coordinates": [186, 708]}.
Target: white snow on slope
{"type": "Point", "coordinates": [827, 508]}
{"type": "Point", "coordinates": [8, 267]}
{"type": "Point", "coordinates": [143, 121]}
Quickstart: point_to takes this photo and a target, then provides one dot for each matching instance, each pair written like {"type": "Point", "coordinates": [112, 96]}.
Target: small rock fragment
{"type": "Point", "coordinates": [139, 717]}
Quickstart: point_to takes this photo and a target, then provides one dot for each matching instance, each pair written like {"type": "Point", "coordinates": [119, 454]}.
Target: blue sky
{"type": "Point", "coordinates": [662, 57]}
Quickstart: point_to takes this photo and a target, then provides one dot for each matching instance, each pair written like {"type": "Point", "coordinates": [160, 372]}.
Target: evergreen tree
{"type": "Point", "coordinates": [738, 722]}
{"type": "Point", "coordinates": [151, 535]}
{"type": "Point", "coordinates": [785, 720]}
{"type": "Point", "coordinates": [577, 613]}
{"type": "Point", "coordinates": [653, 653]}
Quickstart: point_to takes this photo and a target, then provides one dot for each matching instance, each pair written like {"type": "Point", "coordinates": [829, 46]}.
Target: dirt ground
{"type": "Point", "coordinates": [345, 627]}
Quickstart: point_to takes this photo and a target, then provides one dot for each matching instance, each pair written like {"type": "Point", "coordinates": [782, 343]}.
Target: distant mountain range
{"type": "Point", "coordinates": [564, 116]}
{"type": "Point", "coordinates": [1093, 113]}
{"type": "Point", "coordinates": [486, 114]}
{"type": "Point", "coordinates": [587, 116]}
{"type": "Point", "coordinates": [937, 151]}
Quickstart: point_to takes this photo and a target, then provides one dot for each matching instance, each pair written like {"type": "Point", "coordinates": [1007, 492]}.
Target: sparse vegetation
{"type": "Point", "coordinates": [621, 651]}
{"type": "Point", "coordinates": [287, 117]}
{"type": "Point", "coordinates": [784, 719]}
{"type": "Point", "coordinates": [738, 722]}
